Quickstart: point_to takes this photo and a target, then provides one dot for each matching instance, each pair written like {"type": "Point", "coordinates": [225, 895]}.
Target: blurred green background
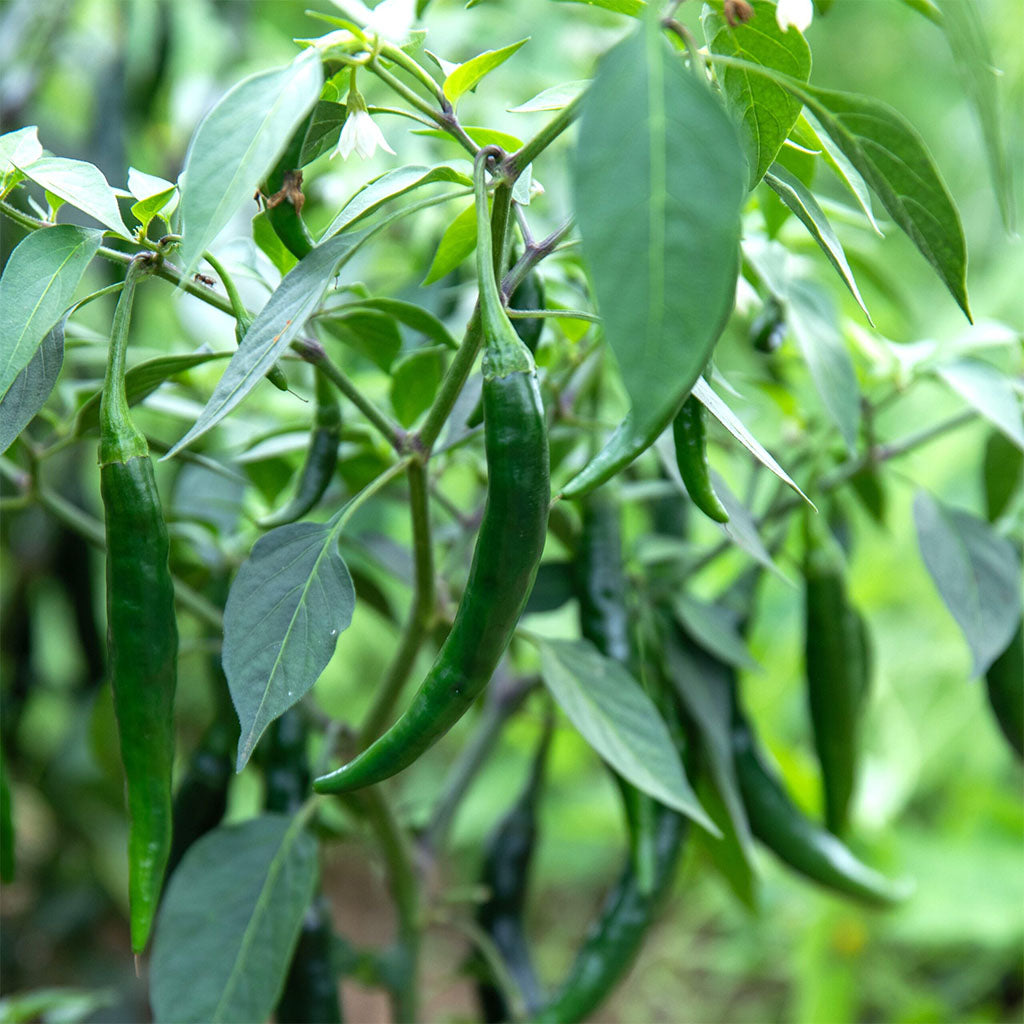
{"type": "Point", "coordinates": [123, 83]}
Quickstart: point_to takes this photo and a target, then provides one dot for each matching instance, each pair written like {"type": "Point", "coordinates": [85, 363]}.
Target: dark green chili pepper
{"type": "Point", "coordinates": [604, 621]}
{"type": "Point", "coordinates": [284, 198]}
{"type": "Point", "coordinates": [202, 796]}
{"type": "Point", "coordinates": [616, 936]}
{"type": "Point", "coordinates": [529, 295]}
{"type": "Point", "coordinates": [689, 430]}
{"type": "Point", "coordinates": [285, 766]}
{"type": "Point", "coordinates": [835, 647]}
{"type": "Point", "coordinates": [794, 838]}
{"type": "Point", "coordinates": [505, 875]}
{"type": "Point", "coordinates": [275, 374]}
{"type": "Point", "coordinates": [769, 327]}
{"type": "Point", "coordinates": [508, 547]}
{"type": "Point", "coordinates": [321, 458]}
{"type": "Point", "coordinates": [142, 634]}
{"type": "Point", "coordinates": [6, 825]}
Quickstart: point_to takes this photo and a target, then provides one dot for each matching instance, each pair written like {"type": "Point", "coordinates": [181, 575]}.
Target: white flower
{"type": "Point", "coordinates": [797, 13]}
{"type": "Point", "coordinates": [360, 133]}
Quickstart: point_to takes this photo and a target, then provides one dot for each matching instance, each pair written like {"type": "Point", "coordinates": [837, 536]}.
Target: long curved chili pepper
{"type": "Point", "coordinates": [321, 458]}
{"type": "Point", "coordinates": [616, 936]}
{"type": "Point", "coordinates": [795, 839]}
{"type": "Point", "coordinates": [142, 633]}
{"type": "Point", "coordinates": [604, 621]}
{"type": "Point", "coordinates": [506, 874]}
{"type": "Point", "coordinates": [689, 429]}
{"type": "Point", "coordinates": [835, 649]}
{"type": "Point", "coordinates": [508, 547]}
{"type": "Point", "coordinates": [310, 992]}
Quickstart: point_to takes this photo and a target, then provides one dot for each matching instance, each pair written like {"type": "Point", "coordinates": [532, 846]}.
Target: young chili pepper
{"type": "Point", "coordinates": [604, 621]}
{"type": "Point", "coordinates": [508, 547]}
{"type": "Point", "coordinates": [142, 634]}
{"type": "Point", "coordinates": [321, 458]}
{"type": "Point", "coordinates": [284, 198]}
{"type": "Point", "coordinates": [689, 429]}
{"type": "Point", "coordinates": [506, 875]}
{"type": "Point", "coordinates": [835, 646]}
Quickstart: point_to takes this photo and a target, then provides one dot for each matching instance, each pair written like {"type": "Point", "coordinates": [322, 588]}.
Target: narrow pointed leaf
{"type": "Point", "coordinates": [290, 601]}
{"type": "Point", "coordinates": [990, 392]}
{"type": "Point", "coordinates": [456, 245]}
{"type": "Point", "coordinates": [977, 573]}
{"type": "Point", "coordinates": [615, 716]}
{"type": "Point", "coordinates": [465, 76]}
{"type": "Point", "coordinates": [37, 287]}
{"type": "Point", "coordinates": [238, 143]}
{"type": "Point", "coordinates": [765, 110]}
{"type": "Point", "coordinates": [556, 98]}
{"type": "Point", "coordinates": [230, 920]}
{"type": "Point", "coordinates": [32, 387]}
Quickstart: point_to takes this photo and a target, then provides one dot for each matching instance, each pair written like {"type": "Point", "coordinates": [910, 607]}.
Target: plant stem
{"type": "Point", "coordinates": [451, 386]}
{"type": "Point", "coordinates": [522, 158]}
{"type": "Point", "coordinates": [533, 254]}
{"type": "Point", "coordinates": [420, 613]}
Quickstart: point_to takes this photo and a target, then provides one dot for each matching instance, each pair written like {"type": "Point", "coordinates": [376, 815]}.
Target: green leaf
{"type": "Point", "coordinates": [632, 8]}
{"type": "Point", "coordinates": [1003, 474]}
{"type": "Point", "coordinates": [32, 387]}
{"type": "Point", "coordinates": [296, 297]}
{"type": "Point", "coordinates": [457, 243]}
{"type": "Point", "coordinates": [324, 130]}
{"type": "Point", "coordinates": [717, 407]}
{"type": "Point", "coordinates": [977, 573]}
{"type": "Point", "coordinates": [56, 1005]}
{"type": "Point", "coordinates": [990, 392]}
{"type": "Point", "coordinates": [388, 186]}
{"type": "Point", "coordinates": [413, 316]}
{"type": "Point", "coordinates": [765, 110]}
{"type": "Point", "coordinates": [713, 628]}
{"type": "Point", "coordinates": [465, 76]}
{"type": "Point", "coordinates": [371, 333]}
{"type": "Point", "coordinates": [230, 920]}
{"type": "Point", "coordinates": [154, 196]}
{"type": "Point", "coordinates": [37, 287]}
{"type": "Point", "coordinates": [966, 36]}
{"type": "Point", "coordinates": [795, 194]}
{"type": "Point", "coordinates": [17, 149]}
{"type": "Point", "coordinates": [270, 244]}
{"type": "Point", "coordinates": [659, 182]}
{"type": "Point", "coordinates": [616, 717]}
{"type": "Point", "coordinates": [289, 602]}
{"type": "Point", "coordinates": [141, 381]}
{"type": "Point", "coordinates": [414, 382]}
{"type": "Point", "coordinates": [558, 97]}
{"type": "Point", "coordinates": [82, 185]}
{"type": "Point", "coordinates": [238, 143]}
{"type": "Point", "coordinates": [481, 136]}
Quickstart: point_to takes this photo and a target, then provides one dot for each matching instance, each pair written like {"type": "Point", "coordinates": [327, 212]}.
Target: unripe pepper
{"type": "Point", "coordinates": [142, 633]}
{"type": "Point", "coordinates": [508, 547]}
{"type": "Point", "coordinates": [689, 430]}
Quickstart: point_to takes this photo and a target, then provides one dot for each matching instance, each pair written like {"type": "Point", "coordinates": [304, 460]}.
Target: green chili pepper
{"type": "Point", "coordinates": [284, 199]}
{"type": "Point", "coordinates": [690, 432]}
{"type": "Point", "coordinates": [508, 547]}
{"type": "Point", "coordinates": [835, 647]}
{"type": "Point", "coordinates": [311, 988]}
{"type": "Point", "coordinates": [529, 295]}
{"type": "Point", "coordinates": [604, 621]}
{"type": "Point", "coordinates": [616, 936]}
{"type": "Point", "coordinates": [506, 875]}
{"type": "Point", "coordinates": [142, 634]}
{"type": "Point", "coordinates": [6, 825]}
{"type": "Point", "coordinates": [321, 458]}
{"type": "Point", "coordinates": [794, 838]}
{"type": "Point", "coordinates": [769, 327]}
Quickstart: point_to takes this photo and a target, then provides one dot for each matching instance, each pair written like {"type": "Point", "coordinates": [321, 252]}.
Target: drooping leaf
{"type": "Point", "coordinates": [80, 184]}
{"type": "Point", "coordinates": [32, 387]}
{"type": "Point", "coordinates": [741, 528]}
{"type": "Point", "coordinates": [288, 604]}
{"type": "Point", "coordinates": [615, 716]}
{"type": "Point", "coordinates": [296, 297]}
{"type": "Point", "coordinates": [389, 186]}
{"type": "Point", "coordinates": [765, 110]}
{"type": "Point", "coordinates": [658, 185]}
{"type": "Point", "coordinates": [977, 573]}
{"type": "Point", "coordinates": [371, 333]}
{"type": "Point", "coordinates": [990, 392]}
{"type": "Point", "coordinates": [414, 382]}
{"type": "Point", "coordinates": [416, 317]}
{"type": "Point", "coordinates": [456, 245]}
{"type": "Point", "coordinates": [714, 629]}
{"type": "Point", "coordinates": [973, 55]}
{"type": "Point", "coordinates": [556, 98]}
{"type": "Point", "coordinates": [465, 76]}
{"type": "Point", "coordinates": [37, 287]}
{"type": "Point", "coordinates": [324, 130]}
{"type": "Point", "coordinates": [704, 394]}
{"type": "Point", "coordinates": [792, 191]}
{"type": "Point", "coordinates": [238, 143]}
{"type": "Point", "coordinates": [141, 381]}
{"type": "Point", "coordinates": [230, 920]}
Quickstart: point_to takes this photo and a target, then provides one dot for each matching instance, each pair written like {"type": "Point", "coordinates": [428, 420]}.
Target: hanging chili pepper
{"type": "Point", "coordinates": [508, 547]}
{"type": "Point", "coordinates": [142, 634]}
{"type": "Point", "coordinates": [689, 429]}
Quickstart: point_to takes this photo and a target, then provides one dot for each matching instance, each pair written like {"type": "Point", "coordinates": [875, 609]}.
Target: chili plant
{"type": "Point", "coordinates": [469, 443]}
